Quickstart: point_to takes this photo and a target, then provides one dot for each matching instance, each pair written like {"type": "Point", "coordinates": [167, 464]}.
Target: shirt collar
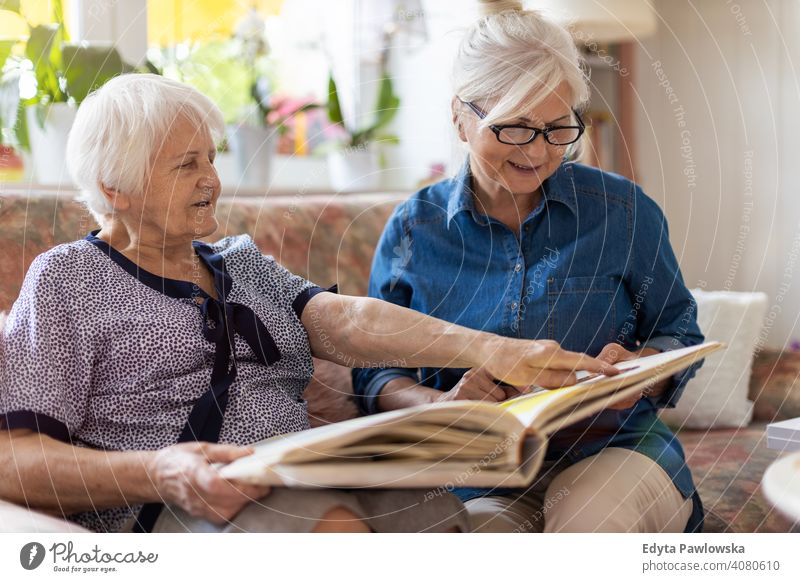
{"type": "Point", "coordinates": [462, 198]}
{"type": "Point", "coordinates": [557, 188]}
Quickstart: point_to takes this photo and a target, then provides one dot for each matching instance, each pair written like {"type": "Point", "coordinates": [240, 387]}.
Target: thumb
{"type": "Point", "coordinates": [610, 353]}
{"type": "Point", "coordinates": [215, 453]}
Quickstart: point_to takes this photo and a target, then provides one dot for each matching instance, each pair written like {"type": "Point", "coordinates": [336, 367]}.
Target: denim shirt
{"type": "Point", "coordinates": [590, 265]}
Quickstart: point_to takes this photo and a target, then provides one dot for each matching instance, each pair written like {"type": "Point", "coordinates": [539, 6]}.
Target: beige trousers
{"type": "Point", "coordinates": [616, 490]}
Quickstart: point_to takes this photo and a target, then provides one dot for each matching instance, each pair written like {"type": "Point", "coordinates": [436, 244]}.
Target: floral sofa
{"type": "Point", "coordinates": [330, 239]}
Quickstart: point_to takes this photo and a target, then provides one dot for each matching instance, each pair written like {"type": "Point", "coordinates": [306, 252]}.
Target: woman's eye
{"type": "Point", "coordinates": [187, 164]}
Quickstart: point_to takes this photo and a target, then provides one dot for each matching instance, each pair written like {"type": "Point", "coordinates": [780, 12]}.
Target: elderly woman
{"type": "Point", "coordinates": [526, 244]}
{"type": "Point", "coordinates": [130, 354]}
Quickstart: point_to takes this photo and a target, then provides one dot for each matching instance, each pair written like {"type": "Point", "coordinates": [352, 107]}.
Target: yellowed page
{"type": "Point", "coordinates": [539, 408]}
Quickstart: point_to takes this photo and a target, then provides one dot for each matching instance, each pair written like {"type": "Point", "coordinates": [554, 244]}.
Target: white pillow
{"type": "Point", "coordinates": [717, 396]}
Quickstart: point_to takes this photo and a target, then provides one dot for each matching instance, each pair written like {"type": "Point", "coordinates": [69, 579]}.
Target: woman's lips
{"type": "Point", "coordinates": [524, 169]}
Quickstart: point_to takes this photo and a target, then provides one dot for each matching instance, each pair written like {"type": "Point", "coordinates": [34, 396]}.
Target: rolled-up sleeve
{"type": "Point", "coordinates": [388, 281]}
{"type": "Point", "coordinates": [666, 310]}
{"type": "Point", "coordinates": [45, 369]}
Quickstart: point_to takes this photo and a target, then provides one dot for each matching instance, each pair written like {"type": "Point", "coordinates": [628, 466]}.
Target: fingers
{"type": "Point", "coordinates": [613, 353]}
{"type": "Point", "coordinates": [218, 499]}
{"type": "Point", "coordinates": [478, 384]}
{"type": "Point", "coordinates": [553, 357]}
{"type": "Point", "coordinates": [215, 453]}
{"type": "Point", "coordinates": [189, 480]}
{"type": "Point", "coordinates": [555, 379]}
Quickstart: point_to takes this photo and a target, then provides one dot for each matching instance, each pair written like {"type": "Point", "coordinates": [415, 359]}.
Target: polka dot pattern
{"type": "Point", "coordinates": [120, 364]}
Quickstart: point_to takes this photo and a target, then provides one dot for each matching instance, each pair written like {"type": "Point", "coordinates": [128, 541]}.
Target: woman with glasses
{"type": "Point", "coordinates": [525, 243]}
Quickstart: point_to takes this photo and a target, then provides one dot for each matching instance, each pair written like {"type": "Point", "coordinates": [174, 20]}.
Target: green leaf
{"type": "Point", "coordinates": [334, 109]}
{"type": "Point", "coordinates": [44, 50]}
{"type": "Point", "coordinates": [88, 67]}
{"type": "Point", "coordinates": [389, 139]}
{"type": "Point", "coordinates": [21, 127]}
{"type": "Point", "coordinates": [149, 67]}
{"type": "Point", "coordinates": [58, 16]}
{"type": "Point", "coordinates": [6, 46]}
{"type": "Point", "coordinates": [212, 70]}
{"type": "Point", "coordinates": [12, 5]}
{"type": "Point", "coordinates": [387, 104]}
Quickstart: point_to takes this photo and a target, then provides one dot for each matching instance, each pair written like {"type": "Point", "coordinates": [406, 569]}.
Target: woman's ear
{"type": "Point", "coordinates": [115, 198]}
{"type": "Point", "coordinates": [457, 123]}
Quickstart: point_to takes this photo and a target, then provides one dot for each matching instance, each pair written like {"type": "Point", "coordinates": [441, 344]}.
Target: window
{"type": "Point", "coordinates": [170, 22]}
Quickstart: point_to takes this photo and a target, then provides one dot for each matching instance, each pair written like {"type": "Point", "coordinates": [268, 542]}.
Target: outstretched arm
{"type": "Point", "coordinates": [370, 333]}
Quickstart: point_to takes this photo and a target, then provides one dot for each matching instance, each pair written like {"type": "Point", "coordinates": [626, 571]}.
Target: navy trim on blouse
{"type": "Point", "coordinates": [170, 287]}
{"type": "Point", "coordinates": [302, 299]}
{"type": "Point", "coordinates": [36, 421]}
{"type": "Point", "coordinates": [221, 318]}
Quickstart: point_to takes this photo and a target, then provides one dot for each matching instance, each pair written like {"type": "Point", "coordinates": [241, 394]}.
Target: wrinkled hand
{"type": "Point", "coordinates": [613, 353]}
{"type": "Point", "coordinates": [539, 363]}
{"type": "Point", "coordinates": [478, 384]}
{"type": "Point", "coordinates": [183, 476]}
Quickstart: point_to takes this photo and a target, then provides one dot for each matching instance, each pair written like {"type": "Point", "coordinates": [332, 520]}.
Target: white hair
{"type": "Point", "coordinates": [120, 127]}
{"type": "Point", "coordinates": [516, 58]}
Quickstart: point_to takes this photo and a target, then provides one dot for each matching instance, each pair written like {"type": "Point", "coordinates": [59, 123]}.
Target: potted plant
{"type": "Point", "coordinates": [236, 74]}
{"type": "Point", "coordinates": [11, 164]}
{"type": "Point", "coordinates": [354, 164]}
{"type": "Point", "coordinates": [54, 77]}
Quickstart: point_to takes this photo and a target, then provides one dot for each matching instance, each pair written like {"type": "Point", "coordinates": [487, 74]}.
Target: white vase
{"type": "Point", "coordinates": [49, 142]}
{"type": "Point", "coordinates": [354, 169]}
{"type": "Point", "coordinates": [253, 148]}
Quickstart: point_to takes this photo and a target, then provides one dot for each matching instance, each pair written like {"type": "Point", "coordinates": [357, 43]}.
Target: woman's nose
{"type": "Point", "coordinates": [537, 149]}
{"type": "Point", "coordinates": [210, 179]}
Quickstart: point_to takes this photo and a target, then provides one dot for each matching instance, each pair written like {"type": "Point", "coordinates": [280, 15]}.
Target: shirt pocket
{"type": "Point", "coordinates": [583, 311]}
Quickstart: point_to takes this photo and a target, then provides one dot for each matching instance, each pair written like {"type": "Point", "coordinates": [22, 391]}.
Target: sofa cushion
{"type": "Point", "coordinates": [327, 239]}
{"type": "Point", "coordinates": [717, 396]}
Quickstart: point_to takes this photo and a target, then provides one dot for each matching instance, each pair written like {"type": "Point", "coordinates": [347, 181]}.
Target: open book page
{"type": "Point", "coordinates": [469, 444]}
{"type": "Point", "coordinates": [455, 432]}
{"type": "Point", "coordinates": [489, 470]}
{"type": "Point", "coordinates": [539, 408]}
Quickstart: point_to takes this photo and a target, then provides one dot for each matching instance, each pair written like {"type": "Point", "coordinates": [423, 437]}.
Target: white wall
{"type": "Point", "coordinates": [735, 224]}
{"type": "Point", "coordinates": [422, 77]}
{"type": "Point", "coordinates": [113, 21]}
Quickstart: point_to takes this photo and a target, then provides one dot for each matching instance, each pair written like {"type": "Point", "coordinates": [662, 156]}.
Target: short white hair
{"type": "Point", "coordinates": [516, 57]}
{"type": "Point", "coordinates": [120, 127]}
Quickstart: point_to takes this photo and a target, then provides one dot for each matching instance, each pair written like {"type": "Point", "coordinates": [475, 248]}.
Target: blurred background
{"type": "Point", "coordinates": [695, 100]}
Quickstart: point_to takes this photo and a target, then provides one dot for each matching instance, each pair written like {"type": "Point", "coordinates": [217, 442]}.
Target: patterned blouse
{"type": "Point", "coordinates": [100, 353]}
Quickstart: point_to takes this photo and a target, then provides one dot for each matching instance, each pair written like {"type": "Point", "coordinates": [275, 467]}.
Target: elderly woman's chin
{"type": "Point", "coordinates": [204, 222]}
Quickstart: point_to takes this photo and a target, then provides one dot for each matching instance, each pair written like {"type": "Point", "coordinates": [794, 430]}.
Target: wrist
{"type": "Point", "coordinates": [490, 345]}
{"type": "Point", "coordinates": [146, 475]}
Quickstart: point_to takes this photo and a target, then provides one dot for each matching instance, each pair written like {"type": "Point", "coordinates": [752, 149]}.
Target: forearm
{"type": "Point", "coordinates": [369, 333]}
{"type": "Point", "coordinates": [405, 392]}
{"type": "Point", "coordinates": [47, 474]}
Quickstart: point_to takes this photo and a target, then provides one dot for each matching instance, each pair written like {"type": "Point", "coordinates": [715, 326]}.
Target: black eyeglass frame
{"type": "Point", "coordinates": [581, 127]}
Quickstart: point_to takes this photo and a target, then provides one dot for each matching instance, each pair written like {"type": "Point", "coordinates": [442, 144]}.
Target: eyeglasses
{"type": "Point", "coordinates": [557, 135]}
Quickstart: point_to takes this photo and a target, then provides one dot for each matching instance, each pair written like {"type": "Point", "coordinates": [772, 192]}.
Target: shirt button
{"type": "Point", "coordinates": [514, 305]}
{"type": "Point", "coordinates": [517, 267]}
